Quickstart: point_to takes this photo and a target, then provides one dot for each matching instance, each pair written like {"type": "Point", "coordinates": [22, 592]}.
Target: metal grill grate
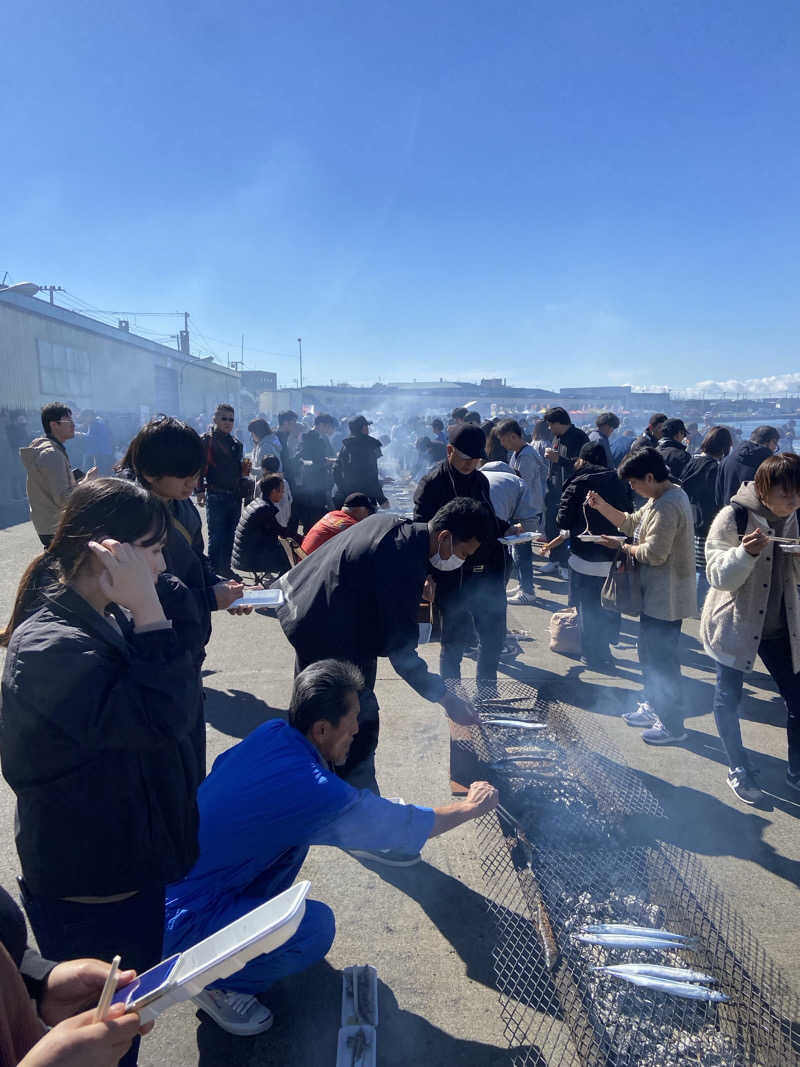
{"type": "Point", "coordinates": [577, 844]}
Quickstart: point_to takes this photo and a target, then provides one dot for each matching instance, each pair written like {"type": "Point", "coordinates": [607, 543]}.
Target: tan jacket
{"type": "Point", "coordinates": [50, 481]}
{"type": "Point", "coordinates": [736, 604]}
{"type": "Point", "coordinates": [666, 555]}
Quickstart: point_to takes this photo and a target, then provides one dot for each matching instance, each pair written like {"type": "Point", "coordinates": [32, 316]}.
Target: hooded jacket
{"type": "Point", "coordinates": [740, 465]}
{"type": "Point", "coordinates": [96, 740]}
{"type": "Point", "coordinates": [699, 482]}
{"type": "Point", "coordinates": [511, 497]}
{"type": "Point", "coordinates": [742, 586]}
{"type": "Point", "coordinates": [50, 481]}
{"type": "Point", "coordinates": [574, 516]}
{"type": "Point", "coordinates": [356, 468]}
{"type": "Point", "coordinates": [675, 454]}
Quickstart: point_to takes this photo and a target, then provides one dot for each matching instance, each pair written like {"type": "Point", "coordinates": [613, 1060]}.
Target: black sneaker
{"type": "Point", "coordinates": [743, 784]}
{"type": "Point", "coordinates": [793, 779]}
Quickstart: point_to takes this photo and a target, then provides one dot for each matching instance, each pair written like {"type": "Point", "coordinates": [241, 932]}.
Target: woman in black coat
{"type": "Point", "coordinates": [590, 562]}
{"type": "Point", "coordinates": [99, 701]}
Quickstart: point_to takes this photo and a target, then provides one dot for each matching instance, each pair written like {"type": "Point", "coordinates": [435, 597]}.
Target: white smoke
{"type": "Point", "coordinates": [772, 385]}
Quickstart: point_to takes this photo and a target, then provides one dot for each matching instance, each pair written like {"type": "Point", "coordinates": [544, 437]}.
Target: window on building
{"type": "Point", "coordinates": [64, 372]}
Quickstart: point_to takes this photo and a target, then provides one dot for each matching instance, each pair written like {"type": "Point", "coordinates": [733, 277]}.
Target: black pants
{"type": "Point", "coordinates": [132, 928]}
{"type": "Point", "coordinates": [659, 658]}
{"type": "Point", "coordinates": [598, 626]}
{"type": "Point", "coordinates": [480, 600]}
{"type": "Point", "coordinates": [776, 655]}
{"type": "Point", "coordinates": [359, 767]}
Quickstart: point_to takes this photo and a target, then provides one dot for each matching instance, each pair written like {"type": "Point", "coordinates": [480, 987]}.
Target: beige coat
{"type": "Point", "coordinates": [50, 481]}
{"type": "Point", "coordinates": [735, 607]}
{"type": "Point", "coordinates": [666, 555]}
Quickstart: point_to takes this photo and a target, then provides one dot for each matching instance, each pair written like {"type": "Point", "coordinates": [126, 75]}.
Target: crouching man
{"type": "Point", "coordinates": [266, 801]}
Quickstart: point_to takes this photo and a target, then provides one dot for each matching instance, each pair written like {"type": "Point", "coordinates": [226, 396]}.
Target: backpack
{"type": "Point", "coordinates": [740, 514]}
{"type": "Point", "coordinates": [699, 483]}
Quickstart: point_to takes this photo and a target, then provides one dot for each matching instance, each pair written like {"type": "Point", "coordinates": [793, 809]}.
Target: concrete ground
{"type": "Point", "coordinates": [425, 929]}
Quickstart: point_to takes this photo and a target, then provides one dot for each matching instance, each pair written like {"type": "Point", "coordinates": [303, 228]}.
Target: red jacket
{"type": "Point", "coordinates": [327, 527]}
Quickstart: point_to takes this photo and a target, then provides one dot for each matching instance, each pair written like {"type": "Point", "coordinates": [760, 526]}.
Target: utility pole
{"type": "Point", "coordinates": [51, 289]}
{"type": "Point", "coordinates": [300, 346]}
{"type": "Point", "coordinates": [183, 336]}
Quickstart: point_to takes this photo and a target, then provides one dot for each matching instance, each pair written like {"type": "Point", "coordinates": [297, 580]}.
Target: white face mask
{"type": "Point", "coordinates": [451, 564]}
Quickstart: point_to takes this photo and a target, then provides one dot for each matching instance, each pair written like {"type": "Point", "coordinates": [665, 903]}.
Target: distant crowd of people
{"type": "Point", "coordinates": [102, 723]}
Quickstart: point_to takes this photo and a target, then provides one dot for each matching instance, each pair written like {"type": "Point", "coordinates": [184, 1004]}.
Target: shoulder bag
{"type": "Point", "coordinates": [622, 590]}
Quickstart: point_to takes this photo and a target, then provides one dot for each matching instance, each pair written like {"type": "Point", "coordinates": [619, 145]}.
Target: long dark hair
{"type": "Point", "coordinates": [96, 510]}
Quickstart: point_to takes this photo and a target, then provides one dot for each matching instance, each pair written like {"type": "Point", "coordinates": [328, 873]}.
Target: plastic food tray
{"type": "Point", "coordinates": [261, 930]}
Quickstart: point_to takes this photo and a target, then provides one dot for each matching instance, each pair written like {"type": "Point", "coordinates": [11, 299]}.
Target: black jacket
{"type": "Point", "coordinates": [675, 455]}
{"type": "Point", "coordinates": [96, 740]}
{"type": "Point", "coordinates": [255, 544]}
{"type": "Point", "coordinates": [740, 465]}
{"type": "Point", "coordinates": [356, 467]}
{"type": "Point", "coordinates": [32, 967]}
{"type": "Point", "coordinates": [357, 596]}
{"type": "Point", "coordinates": [441, 485]}
{"type": "Point", "coordinates": [699, 482]}
{"type": "Point", "coordinates": [313, 469]}
{"type": "Point", "coordinates": [645, 440]}
{"type": "Point", "coordinates": [223, 468]}
{"type": "Point", "coordinates": [571, 515]}
{"type": "Point", "coordinates": [185, 557]}
{"type": "Point", "coordinates": [568, 446]}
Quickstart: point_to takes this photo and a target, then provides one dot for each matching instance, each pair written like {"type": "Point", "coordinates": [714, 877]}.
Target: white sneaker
{"type": "Point", "coordinates": [549, 568]}
{"type": "Point", "coordinates": [563, 574]}
{"type": "Point", "coordinates": [521, 598]}
{"type": "Point", "coordinates": [236, 1013]}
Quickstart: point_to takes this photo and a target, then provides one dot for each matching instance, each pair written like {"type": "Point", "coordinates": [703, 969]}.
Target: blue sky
{"type": "Point", "coordinates": [568, 194]}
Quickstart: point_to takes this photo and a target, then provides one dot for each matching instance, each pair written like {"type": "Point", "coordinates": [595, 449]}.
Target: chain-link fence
{"type": "Point", "coordinates": [576, 844]}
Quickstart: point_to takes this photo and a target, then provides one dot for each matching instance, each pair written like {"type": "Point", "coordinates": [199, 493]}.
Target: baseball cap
{"type": "Point", "coordinates": [358, 423]}
{"type": "Point", "coordinates": [359, 500]}
{"type": "Point", "coordinates": [470, 440]}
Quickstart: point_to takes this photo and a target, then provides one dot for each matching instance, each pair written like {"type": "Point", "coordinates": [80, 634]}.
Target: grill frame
{"type": "Point", "coordinates": [564, 1014]}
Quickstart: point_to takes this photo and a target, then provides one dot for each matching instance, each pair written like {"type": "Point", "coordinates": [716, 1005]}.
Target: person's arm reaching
{"type": "Point", "coordinates": [481, 798]}
{"type": "Point", "coordinates": [376, 823]}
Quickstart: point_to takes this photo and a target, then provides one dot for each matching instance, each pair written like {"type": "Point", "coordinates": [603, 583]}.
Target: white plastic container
{"type": "Point", "coordinates": [262, 598]}
{"type": "Point", "coordinates": [261, 930]}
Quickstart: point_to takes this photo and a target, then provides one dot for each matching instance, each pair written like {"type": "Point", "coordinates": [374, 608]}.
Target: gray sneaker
{"type": "Point", "coordinates": [236, 1013]}
{"type": "Point", "coordinates": [643, 716]}
{"type": "Point", "coordinates": [549, 568]}
{"type": "Point", "coordinates": [742, 783]}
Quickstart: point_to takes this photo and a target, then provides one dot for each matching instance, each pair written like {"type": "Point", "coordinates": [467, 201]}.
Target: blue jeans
{"type": "Point", "coordinates": [134, 928]}
{"type": "Point", "coordinates": [523, 565]}
{"type": "Point", "coordinates": [223, 510]}
{"type": "Point", "coordinates": [776, 655]}
{"type": "Point", "coordinates": [659, 658]}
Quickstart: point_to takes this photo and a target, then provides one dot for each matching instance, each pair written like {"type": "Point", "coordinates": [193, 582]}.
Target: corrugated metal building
{"type": "Point", "coordinates": [49, 353]}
